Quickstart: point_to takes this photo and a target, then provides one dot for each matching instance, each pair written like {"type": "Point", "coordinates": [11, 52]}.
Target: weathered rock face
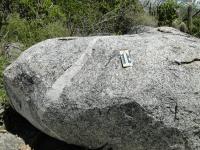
{"type": "Point", "coordinates": [12, 142]}
{"type": "Point", "coordinates": [76, 90]}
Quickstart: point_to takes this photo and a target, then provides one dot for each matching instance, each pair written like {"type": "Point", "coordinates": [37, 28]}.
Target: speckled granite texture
{"type": "Point", "coordinates": [75, 89]}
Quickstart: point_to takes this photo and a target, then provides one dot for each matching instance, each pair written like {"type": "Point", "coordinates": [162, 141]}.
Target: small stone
{"type": "Point", "coordinates": [24, 147]}
{"type": "Point", "coordinates": [10, 142]}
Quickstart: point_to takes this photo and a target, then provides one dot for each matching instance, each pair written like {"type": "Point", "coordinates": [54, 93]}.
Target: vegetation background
{"type": "Point", "coordinates": [31, 21]}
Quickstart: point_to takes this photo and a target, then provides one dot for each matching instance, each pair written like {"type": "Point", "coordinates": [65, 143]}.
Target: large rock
{"type": "Point", "coordinates": [76, 90]}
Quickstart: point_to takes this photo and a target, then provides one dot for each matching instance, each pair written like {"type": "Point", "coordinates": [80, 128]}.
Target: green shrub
{"type": "Point", "coordinates": [17, 29]}
{"type": "Point", "coordinates": [29, 32]}
{"type": "Point", "coordinates": [183, 27]}
{"type": "Point", "coordinates": [127, 13]}
{"type": "Point", "coordinates": [30, 21]}
{"type": "Point", "coordinates": [3, 63]}
{"type": "Point", "coordinates": [146, 20]}
{"type": "Point", "coordinates": [167, 12]}
{"type": "Point", "coordinates": [89, 16]}
{"type": "Point", "coordinates": [176, 23]}
{"type": "Point", "coordinates": [196, 27]}
{"type": "Point", "coordinates": [51, 30]}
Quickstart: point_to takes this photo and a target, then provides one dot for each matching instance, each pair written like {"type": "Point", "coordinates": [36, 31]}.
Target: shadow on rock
{"type": "Point", "coordinates": [37, 140]}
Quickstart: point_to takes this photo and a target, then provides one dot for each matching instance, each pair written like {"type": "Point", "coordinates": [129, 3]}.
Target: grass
{"type": "Point", "coordinates": [3, 64]}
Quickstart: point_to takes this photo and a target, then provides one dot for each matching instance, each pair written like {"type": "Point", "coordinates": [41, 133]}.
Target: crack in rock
{"type": "Point", "coordinates": [110, 59]}
{"type": "Point", "coordinates": [186, 62]}
{"type": "Point", "coordinates": [104, 147]}
{"type": "Point", "coordinates": [176, 111]}
{"type": "Point", "coordinates": [67, 39]}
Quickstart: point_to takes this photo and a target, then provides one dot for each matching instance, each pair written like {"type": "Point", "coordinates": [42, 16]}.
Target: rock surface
{"type": "Point", "coordinates": [14, 124]}
{"type": "Point", "coordinates": [12, 51]}
{"type": "Point", "coordinates": [12, 142]}
{"type": "Point", "coordinates": [75, 89]}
